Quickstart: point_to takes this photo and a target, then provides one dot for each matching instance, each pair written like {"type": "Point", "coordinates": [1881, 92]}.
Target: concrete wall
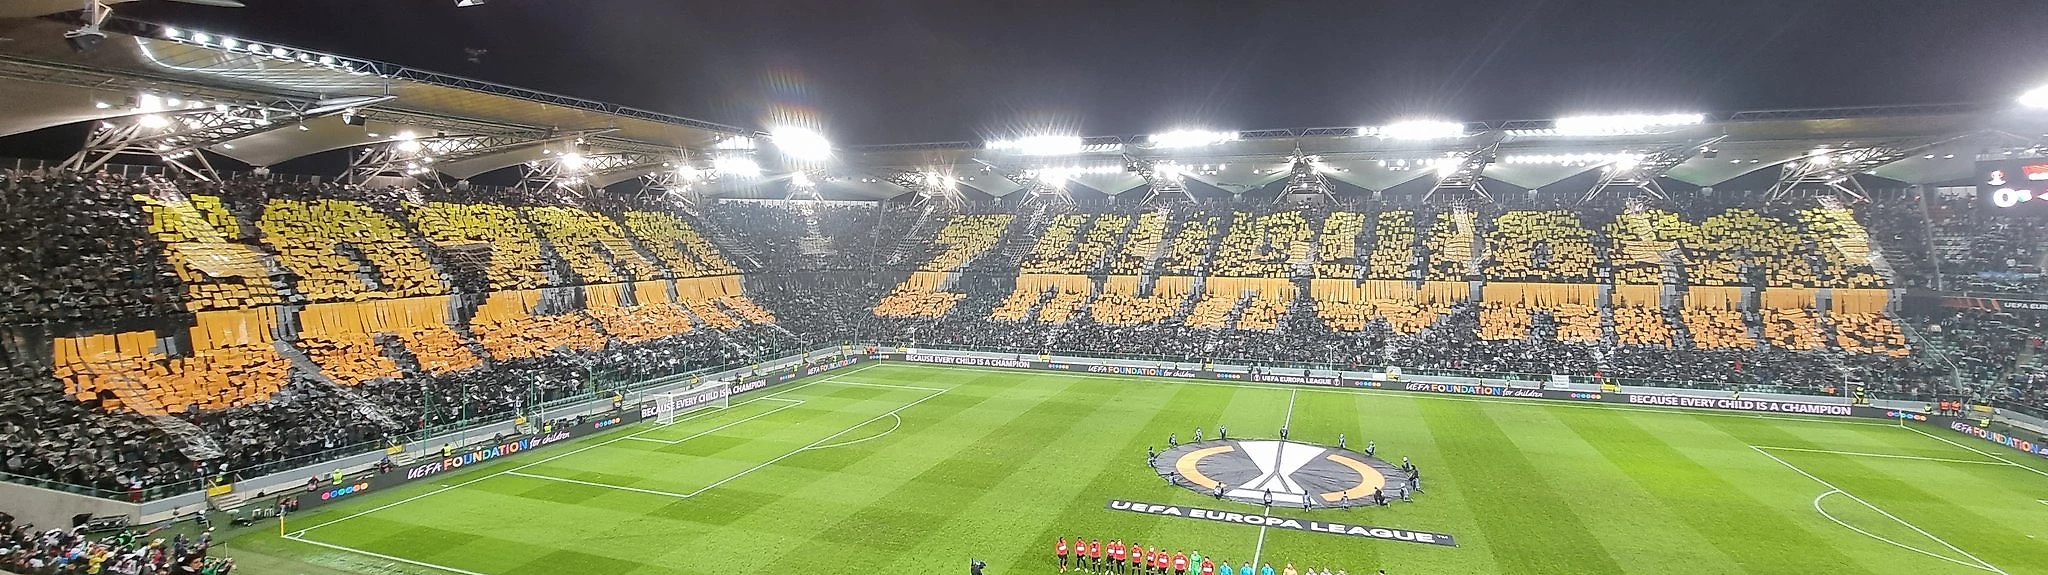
{"type": "Point", "coordinates": [53, 509]}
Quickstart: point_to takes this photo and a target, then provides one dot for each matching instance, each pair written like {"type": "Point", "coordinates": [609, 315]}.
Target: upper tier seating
{"type": "Point", "coordinates": [306, 321]}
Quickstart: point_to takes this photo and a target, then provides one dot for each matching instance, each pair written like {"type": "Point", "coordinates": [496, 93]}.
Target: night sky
{"type": "Point", "coordinates": [896, 71]}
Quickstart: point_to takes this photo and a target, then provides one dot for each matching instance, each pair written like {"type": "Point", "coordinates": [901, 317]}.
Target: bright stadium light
{"type": "Point", "coordinates": [1623, 124]}
{"type": "Point", "coordinates": [1416, 130]}
{"type": "Point", "coordinates": [2035, 98]}
{"type": "Point", "coordinates": [1190, 138]}
{"type": "Point", "coordinates": [801, 143]}
{"type": "Point", "coordinates": [573, 161]}
{"type": "Point", "coordinates": [738, 166]}
{"type": "Point", "coordinates": [1041, 145]}
{"type": "Point", "coordinates": [1569, 159]}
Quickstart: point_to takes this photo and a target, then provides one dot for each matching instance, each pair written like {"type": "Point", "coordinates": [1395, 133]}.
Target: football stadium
{"type": "Point", "coordinates": [285, 310]}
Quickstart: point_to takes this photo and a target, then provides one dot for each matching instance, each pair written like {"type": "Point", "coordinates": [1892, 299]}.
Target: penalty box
{"type": "Point", "coordinates": [707, 449]}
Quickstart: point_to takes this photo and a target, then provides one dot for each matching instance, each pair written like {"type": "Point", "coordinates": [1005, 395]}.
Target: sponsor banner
{"type": "Point", "coordinates": [1130, 370]}
{"type": "Point", "coordinates": [477, 455]}
{"type": "Point", "coordinates": [1391, 379]}
{"type": "Point", "coordinates": [1906, 415]}
{"type": "Point", "coordinates": [1461, 389]}
{"type": "Point", "coordinates": [1297, 379]}
{"type": "Point", "coordinates": [2004, 439]}
{"type": "Point", "coordinates": [219, 490]}
{"type": "Point", "coordinates": [966, 360]}
{"type": "Point", "coordinates": [1254, 519]}
{"type": "Point", "coordinates": [1740, 404]}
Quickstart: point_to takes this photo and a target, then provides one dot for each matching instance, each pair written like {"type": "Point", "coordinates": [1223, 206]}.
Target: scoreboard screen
{"type": "Point", "coordinates": [2013, 185]}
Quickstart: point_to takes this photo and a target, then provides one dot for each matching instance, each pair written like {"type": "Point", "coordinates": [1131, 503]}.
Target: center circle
{"type": "Point", "coordinates": [1281, 473]}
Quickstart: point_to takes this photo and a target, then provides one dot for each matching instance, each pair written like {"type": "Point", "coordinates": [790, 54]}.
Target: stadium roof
{"type": "Point", "coordinates": [328, 101]}
{"type": "Point", "coordinates": [47, 84]}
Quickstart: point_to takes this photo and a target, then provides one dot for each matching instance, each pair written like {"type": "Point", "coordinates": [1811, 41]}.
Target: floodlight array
{"type": "Point", "coordinates": [1415, 130]}
{"type": "Point", "coordinates": [1584, 159]}
{"type": "Point", "coordinates": [1064, 173]}
{"type": "Point", "coordinates": [801, 144]}
{"type": "Point", "coordinates": [1047, 145]}
{"type": "Point", "coordinates": [737, 166]}
{"type": "Point", "coordinates": [232, 45]}
{"type": "Point", "coordinates": [1611, 125]}
{"type": "Point", "coordinates": [1190, 138]}
{"type": "Point", "coordinates": [2035, 98]}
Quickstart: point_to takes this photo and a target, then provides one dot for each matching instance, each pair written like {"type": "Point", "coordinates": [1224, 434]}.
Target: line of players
{"type": "Point", "coordinates": [1117, 558]}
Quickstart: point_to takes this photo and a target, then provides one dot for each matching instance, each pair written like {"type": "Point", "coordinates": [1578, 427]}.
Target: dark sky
{"type": "Point", "coordinates": [896, 71]}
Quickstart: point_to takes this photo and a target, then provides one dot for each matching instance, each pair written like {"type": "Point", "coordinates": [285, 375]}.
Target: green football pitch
{"type": "Point", "coordinates": [899, 468]}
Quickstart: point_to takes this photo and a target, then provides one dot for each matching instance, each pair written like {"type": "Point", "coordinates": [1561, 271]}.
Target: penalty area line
{"type": "Point", "coordinates": [447, 488]}
{"type": "Point", "coordinates": [813, 444]}
{"type": "Point", "coordinates": [719, 428]}
{"type": "Point", "coordinates": [299, 538]}
{"type": "Point", "coordinates": [1981, 564]}
{"type": "Point", "coordinates": [596, 484]}
{"type": "Point", "coordinates": [1824, 513]}
{"type": "Point", "coordinates": [1883, 455]}
{"type": "Point", "coordinates": [891, 429]}
{"type": "Point", "coordinates": [2037, 471]}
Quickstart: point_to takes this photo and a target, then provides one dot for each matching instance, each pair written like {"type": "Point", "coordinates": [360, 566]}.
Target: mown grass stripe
{"type": "Point", "coordinates": [1528, 527]}
{"type": "Point", "coordinates": [1718, 511]}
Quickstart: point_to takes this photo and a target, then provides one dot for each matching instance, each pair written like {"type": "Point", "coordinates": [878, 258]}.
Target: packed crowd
{"type": "Point", "coordinates": [158, 354]}
{"type": "Point", "coordinates": [28, 551]}
{"type": "Point", "coordinates": [144, 323]}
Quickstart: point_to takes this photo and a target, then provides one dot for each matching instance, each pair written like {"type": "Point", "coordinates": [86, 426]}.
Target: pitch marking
{"type": "Point", "coordinates": [1824, 513]}
{"type": "Point", "coordinates": [2036, 471]}
{"type": "Point", "coordinates": [1260, 549]}
{"type": "Point", "coordinates": [1883, 455]}
{"type": "Point", "coordinates": [595, 484]}
{"type": "Point", "coordinates": [721, 427]}
{"type": "Point", "coordinates": [296, 537]}
{"type": "Point", "coordinates": [1831, 487]}
{"type": "Point", "coordinates": [892, 429]}
{"type": "Point", "coordinates": [571, 452]}
{"type": "Point", "coordinates": [827, 438]}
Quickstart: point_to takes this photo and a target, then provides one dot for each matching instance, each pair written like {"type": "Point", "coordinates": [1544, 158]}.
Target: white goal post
{"type": "Point", "coordinates": [707, 395]}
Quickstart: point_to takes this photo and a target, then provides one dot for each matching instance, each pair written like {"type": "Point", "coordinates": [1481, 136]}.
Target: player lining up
{"type": "Point", "coordinates": [1117, 557]}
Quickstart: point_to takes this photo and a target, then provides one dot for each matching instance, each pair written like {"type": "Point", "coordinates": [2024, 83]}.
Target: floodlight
{"type": "Point", "coordinates": [573, 161]}
{"type": "Point", "coordinates": [2035, 98]}
{"type": "Point", "coordinates": [1622, 124]}
{"type": "Point", "coordinates": [740, 166]}
{"type": "Point", "coordinates": [801, 143]}
{"type": "Point", "coordinates": [1447, 166]}
{"type": "Point", "coordinates": [153, 121]}
{"type": "Point", "coordinates": [173, 33]}
{"type": "Point", "coordinates": [1040, 145]}
{"type": "Point", "coordinates": [1190, 138]}
{"type": "Point", "coordinates": [1417, 130]}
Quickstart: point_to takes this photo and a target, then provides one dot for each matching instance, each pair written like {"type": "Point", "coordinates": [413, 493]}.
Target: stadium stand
{"type": "Point", "coordinates": [263, 325]}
